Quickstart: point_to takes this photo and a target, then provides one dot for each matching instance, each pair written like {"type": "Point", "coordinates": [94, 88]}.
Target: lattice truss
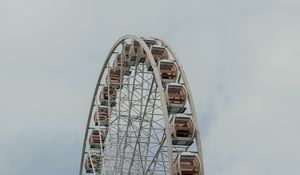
{"type": "Point", "coordinates": [142, 119]}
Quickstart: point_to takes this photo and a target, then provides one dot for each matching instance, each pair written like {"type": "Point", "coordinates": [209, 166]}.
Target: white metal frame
{"type": "Point", "coordinates": [164, 154]}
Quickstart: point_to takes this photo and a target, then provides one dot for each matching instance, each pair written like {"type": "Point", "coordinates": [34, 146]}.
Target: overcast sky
{"type": "Point", "coordinates": [242, 59]}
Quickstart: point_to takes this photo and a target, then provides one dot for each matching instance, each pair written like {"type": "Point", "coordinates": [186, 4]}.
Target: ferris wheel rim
{"type": "Point", "coordinates": [158, 80]}
{"type": "Point", "coordinates": [191, 100]}
{"type": "Point", "coordinates": [156, 75]}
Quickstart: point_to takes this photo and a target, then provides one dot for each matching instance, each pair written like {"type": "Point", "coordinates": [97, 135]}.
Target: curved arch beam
{"type": "Point", "coordinates": [191, 101]}
{"type": "Point", "coordinates": [161, 92]}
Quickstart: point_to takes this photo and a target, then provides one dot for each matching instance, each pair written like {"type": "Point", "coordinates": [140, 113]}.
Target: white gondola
{"type": "Point", "coordinates": [187, 164]}
{"type": "Point", "coordinates": [114, 78]}
{"type": "Point", "coordinates": [159, 53]}
{"type": "Point", "coordinates": [134, 52]}
{"type": "Point", "coordinates": [176, 96]}
{"type": "Point", "coordinates": [168, 71]}
{"type": "Point", "coordinates": [126, 52]}
{"type": "Point", "coordinates": [93, 163]}
{"type": "Point", "coordinates": [182, 129]}
{"type": "Point", "coordinates": [97, 138]}
{"type": "Point", "coordinates": [125, 67]}
{"type": "Point", "coordinates": [149, 42]}
{"type": "Point", "coordinates": [101, 116]}
{"type": "Point", "coordinates": [104, 100]}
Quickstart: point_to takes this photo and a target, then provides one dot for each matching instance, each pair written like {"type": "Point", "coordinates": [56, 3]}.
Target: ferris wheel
{"type": "Point", "coordinates": [142, 118]}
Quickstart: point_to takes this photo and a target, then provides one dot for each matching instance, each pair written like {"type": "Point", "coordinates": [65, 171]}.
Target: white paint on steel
{"type": "Point", "coordinates": [163, 99]}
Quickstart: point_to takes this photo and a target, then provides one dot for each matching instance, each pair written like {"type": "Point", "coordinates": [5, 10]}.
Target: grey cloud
{"type": "Point", "coordinates": [242, 59]}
